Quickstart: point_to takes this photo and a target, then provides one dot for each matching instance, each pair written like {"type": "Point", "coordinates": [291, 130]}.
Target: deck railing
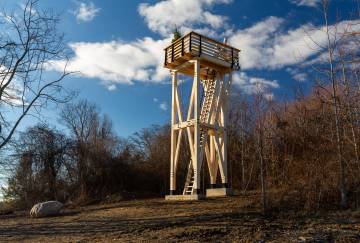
{"type": "Point", "coordinates": [197, 45]}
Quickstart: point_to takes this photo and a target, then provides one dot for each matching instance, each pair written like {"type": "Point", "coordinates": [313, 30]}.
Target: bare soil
{"type": "Point", "coordinates": [234, 219]}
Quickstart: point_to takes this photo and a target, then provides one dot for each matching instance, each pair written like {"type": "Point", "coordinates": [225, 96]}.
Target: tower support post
{"type": "Point", "coordinates": [197, 159]}
{"type": "Point", "coordinates": [173, 133]}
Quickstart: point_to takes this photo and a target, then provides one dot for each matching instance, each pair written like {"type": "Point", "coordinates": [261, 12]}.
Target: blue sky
{"type": "Point", "coordinates": [117, 45]}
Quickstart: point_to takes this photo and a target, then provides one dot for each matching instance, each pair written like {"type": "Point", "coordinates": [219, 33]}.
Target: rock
{"type": "Point", "coordinates": [303, 239]}
{"type": "Point", "coordinates": [44, 209]}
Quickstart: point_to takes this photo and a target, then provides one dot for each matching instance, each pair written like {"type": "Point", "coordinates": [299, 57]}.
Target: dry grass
{"type": "Point", "coordinates": [235, 219]}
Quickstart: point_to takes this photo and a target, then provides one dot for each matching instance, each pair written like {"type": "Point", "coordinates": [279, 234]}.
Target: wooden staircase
{"type": "Point", "coordinates": [189, 182]}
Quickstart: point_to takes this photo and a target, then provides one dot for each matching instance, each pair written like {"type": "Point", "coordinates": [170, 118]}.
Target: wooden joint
{"type": "Point", "coordinates": [184, 124]}
{"type": "Point", "coordinates": [182, 47]}
{"type": "Point", "coordinates": [190, 40]}
{"type": "Point", "coordinates": [200, 46]}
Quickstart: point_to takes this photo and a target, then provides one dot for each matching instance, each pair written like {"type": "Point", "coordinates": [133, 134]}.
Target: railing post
{"type": "Point", "coordinates": [182, 47]}
{"type": "Point", "coordinates": [172, 52]}
{"type": "Point", "coordinates": [190, 42]}
{"type": "Point", "coordinates": [165, 61]}
{"type": "Point", "coordinates": [200, 46]}
{"type": "Point", "coordinates": [232, 57]}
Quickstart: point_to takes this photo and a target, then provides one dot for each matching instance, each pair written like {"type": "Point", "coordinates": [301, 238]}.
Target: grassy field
{"type": "Point", "coordinates": [235, 219]}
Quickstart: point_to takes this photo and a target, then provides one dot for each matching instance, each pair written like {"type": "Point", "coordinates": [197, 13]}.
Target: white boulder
{"type": "Point", "coordinates": [45, 209]}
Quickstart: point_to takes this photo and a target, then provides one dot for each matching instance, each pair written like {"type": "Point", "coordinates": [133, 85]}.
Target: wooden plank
{"type": "Point", "coordinates": [191, 143]}
{"type": "Point", "coordinates": [221, 159]}
{"type": "Point", "coordinates": [178, 106]}
{"type": "Point", "coordinates": [178, 144]}
{"type": "Point", "coordinates": [196, 102]}
{"type": "Point", "coordinates": [184, 124]}
{"type": "Point", "coordinates": [218, 104]}
{"type": "Point", "coordinates": [214, 166]}
{"type": "Point", "coordinates": [183, 65]}
{"type": "Point", "coordinates": [173, 133]}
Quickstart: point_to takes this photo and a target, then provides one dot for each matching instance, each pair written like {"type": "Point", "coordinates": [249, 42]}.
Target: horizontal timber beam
{"type": "Point", "coordinates": [190, 123]}
{"type": "Point", "coordinates": [184, 124]}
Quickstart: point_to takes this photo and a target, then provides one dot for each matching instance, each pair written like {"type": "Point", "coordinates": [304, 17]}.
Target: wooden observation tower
{"type": "Point", "coordinates": [211, 64]}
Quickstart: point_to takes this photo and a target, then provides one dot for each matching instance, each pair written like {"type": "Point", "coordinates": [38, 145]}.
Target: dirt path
{"type": "Point", "coordinates": [229, 219]}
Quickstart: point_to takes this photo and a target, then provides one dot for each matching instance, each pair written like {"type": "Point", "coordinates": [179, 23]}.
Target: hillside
{"type": "Point", "coordinates": [228, 219]}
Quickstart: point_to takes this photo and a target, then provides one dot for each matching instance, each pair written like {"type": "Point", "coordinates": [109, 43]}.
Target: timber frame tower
{"type": "Point", "coordinates": [211, 64]}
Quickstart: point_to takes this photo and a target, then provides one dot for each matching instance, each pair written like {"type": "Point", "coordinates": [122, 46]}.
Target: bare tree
{"type": "Point", "coordinates": [261, 108]}
{"type": "Point", "coordinates": [330, 46]}
{"type": "Point", "coordinates": [28, 45]}
{"type": "Point", "coordinates": [240, 142]}
{"type": "Point", "coordinates": [82, 120]}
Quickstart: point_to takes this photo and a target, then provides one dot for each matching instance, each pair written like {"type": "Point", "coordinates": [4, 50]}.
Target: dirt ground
{"type": "Point", "coordinates": [233, 219]}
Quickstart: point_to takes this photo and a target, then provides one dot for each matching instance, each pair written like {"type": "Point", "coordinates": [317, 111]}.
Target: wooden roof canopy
{"type": "Point", "coordinates": [212, 53]}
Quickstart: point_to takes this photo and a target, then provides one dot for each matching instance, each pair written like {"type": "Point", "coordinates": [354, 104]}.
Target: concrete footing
{"type": "Point", "coordinates": [219, 192]}
{"type": "Point", "coordinates": [184, 197]}
{"type": "Point", "coordinates": [212, 192]}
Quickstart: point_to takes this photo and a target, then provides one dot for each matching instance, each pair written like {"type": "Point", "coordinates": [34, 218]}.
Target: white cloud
{"type": "Point", "coordinates": [308, 3]}
{"type": "Point", "coordinates": [254, 42]}
{"type": "Point", "coordinates": [163, 16]}
{"type": "Point", "coordinates": [118, 62]}
{"type": "Point", "coordinates": [301, 77]}
{"type": "Point", "coordinates": [86, 12]}
{"type": "Point", "coordinates": [297, 75]}
{"type": "Point", "coordinates": [266, 45]}
{"type": "Point", "coordinates": [111, 87]}
{"type": "Point", "coordinates": [163, 106]}
{"type": "Point", "coordinates": [253, 85]}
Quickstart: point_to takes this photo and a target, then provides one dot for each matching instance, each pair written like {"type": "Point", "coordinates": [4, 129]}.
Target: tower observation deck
{"type": "Point", "coordinates": [212, 52]}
